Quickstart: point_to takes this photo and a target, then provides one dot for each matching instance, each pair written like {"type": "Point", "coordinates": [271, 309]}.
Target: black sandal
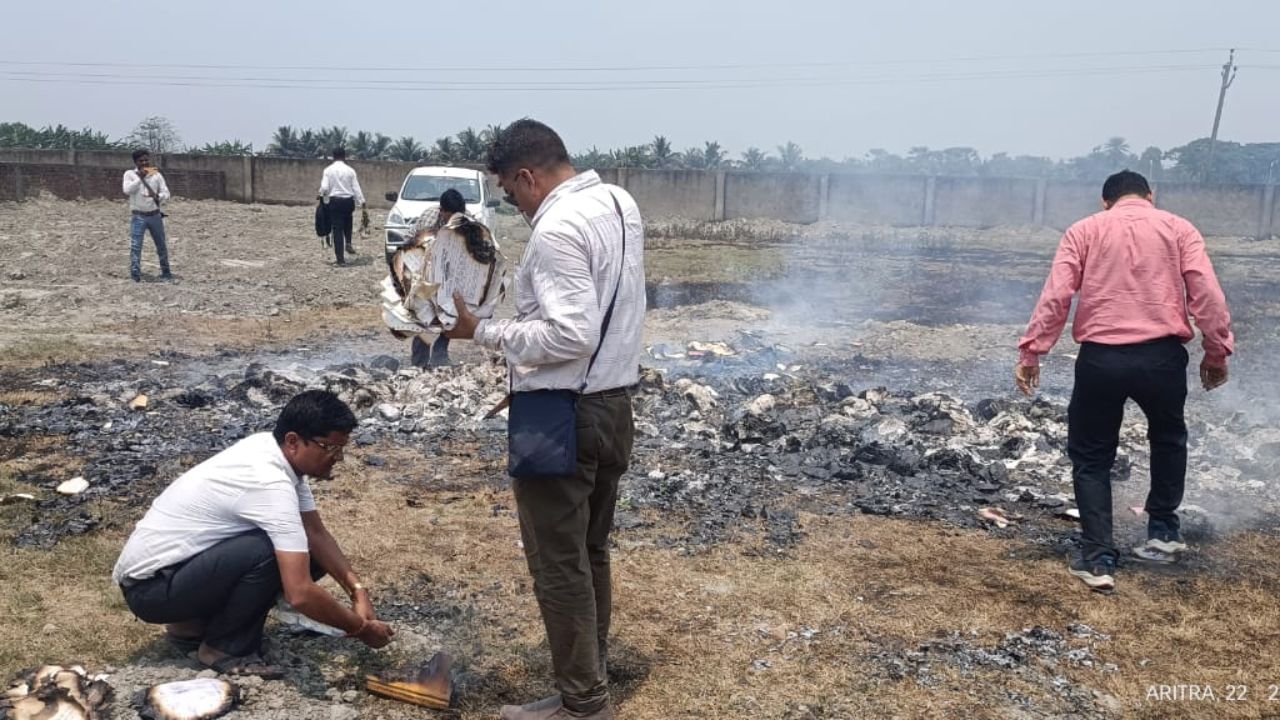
{"type": "Point", "coordinates": [246, 666]}
{"type": "Point", "coordinates": [186, 646]}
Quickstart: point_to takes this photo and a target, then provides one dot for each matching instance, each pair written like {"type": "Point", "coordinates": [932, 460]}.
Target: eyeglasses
{"type": "Point", "coordinates": [330, 449]}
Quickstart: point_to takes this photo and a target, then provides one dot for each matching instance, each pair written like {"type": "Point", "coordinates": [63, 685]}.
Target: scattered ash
{"type": "Point", "coordinates": [731, 441]}
{"type": "Point", "coordinates": [1036, 655]}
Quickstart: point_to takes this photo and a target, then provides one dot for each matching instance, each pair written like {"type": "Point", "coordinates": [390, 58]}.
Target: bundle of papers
{"type": "Point", "coordinates": [462, 256]}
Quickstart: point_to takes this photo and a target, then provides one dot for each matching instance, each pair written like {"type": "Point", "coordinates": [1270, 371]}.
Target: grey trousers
{"type": "Point", "coordinates": [565, 524]}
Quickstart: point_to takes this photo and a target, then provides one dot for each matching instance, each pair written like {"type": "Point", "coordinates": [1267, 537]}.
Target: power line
{"type": "Point", "coordinates": [619, 68]}
{"type": "Point", "coordinates": [568, 85]}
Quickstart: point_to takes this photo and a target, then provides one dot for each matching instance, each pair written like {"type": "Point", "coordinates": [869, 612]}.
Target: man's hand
{"type": "Point", "coordinates": [465, 328]}
{"type": "Point", "coordinates": [362, 606]}
{"type": "Point", "coordinates": [376, 634]}
{"type": "Point", "coordinates": [1212, 376]}
{"type": "Point", "coordinates": [1027, 377]}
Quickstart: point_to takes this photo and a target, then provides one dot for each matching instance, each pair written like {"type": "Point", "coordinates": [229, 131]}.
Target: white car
{"type": "Point", "coordinates": [421, 191]}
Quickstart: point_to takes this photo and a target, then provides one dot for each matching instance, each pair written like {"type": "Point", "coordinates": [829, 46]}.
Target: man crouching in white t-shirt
{"type": "Point", "coordinates": [216, 548]}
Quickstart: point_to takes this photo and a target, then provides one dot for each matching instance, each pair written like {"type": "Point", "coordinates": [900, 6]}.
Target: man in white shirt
{"type": "Point", "coordinates": [587, 241]}
{"type": "Point", "coordinates": [340, 191]}
{"type": "Point", "coordinates": [146, 189]}
{"type": "Point", "coordinates": [216, 548]}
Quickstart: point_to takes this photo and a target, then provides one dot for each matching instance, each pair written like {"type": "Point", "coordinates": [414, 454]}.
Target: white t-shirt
{"type": "Point", "coordinates": [246, 487]}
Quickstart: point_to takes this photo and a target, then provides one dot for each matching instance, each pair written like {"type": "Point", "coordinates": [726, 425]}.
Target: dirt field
{"type": "Point", "coordinates": [749, 581]}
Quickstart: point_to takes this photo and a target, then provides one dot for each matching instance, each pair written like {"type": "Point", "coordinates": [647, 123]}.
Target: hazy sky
{"type": "Point", "coordinates": [838, 77]}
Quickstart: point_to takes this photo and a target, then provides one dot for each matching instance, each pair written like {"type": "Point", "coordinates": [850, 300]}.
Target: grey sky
{"type": "Point", "coordinates": [885, 94]}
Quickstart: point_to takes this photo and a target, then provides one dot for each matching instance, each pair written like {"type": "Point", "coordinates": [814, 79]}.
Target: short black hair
{"type": "Point", "coordinates": [339, 153]}
{"type": "Point", "coordinates": [1125, 182]}
{"type": "Point", "coordinates": [525, 143]}
{"type": "Point", "coordinates": [312, 414]}
{"type": "Point", "coordinates": [451, 201]}
{"type": "Point", "coordinates": [139, 153]}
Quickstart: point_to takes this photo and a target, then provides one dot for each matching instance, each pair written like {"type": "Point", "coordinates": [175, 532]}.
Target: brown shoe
{"type": "Point", "coordinates": [551, 708]}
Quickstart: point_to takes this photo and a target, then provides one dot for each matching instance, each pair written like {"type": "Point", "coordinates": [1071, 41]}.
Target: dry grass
{"type": "Point", "coordinates": [190, 334]}
{"type": "Point", "coordinates": [694, 632]}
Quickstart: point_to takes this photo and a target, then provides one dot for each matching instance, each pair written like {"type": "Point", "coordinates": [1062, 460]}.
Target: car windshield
{"type": "Point", "coordinates": [431, 187]}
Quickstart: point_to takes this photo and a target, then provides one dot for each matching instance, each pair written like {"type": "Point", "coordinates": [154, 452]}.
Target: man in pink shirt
{"type": "Point", "coordinates": [1138, 271]}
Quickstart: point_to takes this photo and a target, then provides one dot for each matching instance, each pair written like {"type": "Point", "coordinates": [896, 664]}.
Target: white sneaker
{"type": "Point", "coordinates": [1160, 551]}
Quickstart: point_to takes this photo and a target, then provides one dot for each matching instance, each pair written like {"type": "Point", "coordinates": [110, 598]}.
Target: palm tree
{"type": "Point", "coordinates": [334, 137]}
{"type": "Point", "coordinates": [284, 142]}
{"type": "Point", "coordinates": [593, 158]}
{"type": "Point", "coordinates": [1117, 151]}
{"type": "Point", "coordinates": [226, 147]}
{"type": "Point", "coordinates": [361, 146]}
{"type": "Point", "coordinates": [754, 159]}
{"type": "Point", "coordinates": [790, 156]}
{"type": "Point", "coordinates": [693, 158]}
{"type": "Point", "coordinates": [661, 152]}
{"type": "Point", "coordinates": [491, 133]}
{"type": "Point", "coordinates": [310, 145]}
{"type": "Point", "coordinates": [712, 155]}
{"type": "Point", "coordinates": [470, 146]}
{"type": "Point", "coordinates": [380, 146]}
{"type": "Point", "coordinates": [632, 156]}
{"type": "Point", "coordinates": [445, 151]}
{"type": "Point", "coordinates": [406, 149]}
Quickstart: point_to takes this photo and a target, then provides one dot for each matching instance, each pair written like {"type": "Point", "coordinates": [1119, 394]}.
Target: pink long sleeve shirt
{"type": "Point", "coordinates": [1139, 271]}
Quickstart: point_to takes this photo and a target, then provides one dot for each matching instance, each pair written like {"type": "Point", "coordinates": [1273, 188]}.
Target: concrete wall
{"type": "Point", "coordinates": [984, 202]}
{"type": "Point", "coordinates": [877, 199]}
{"type": "Point", "coordinates": [1244, 210]}
{"type": "Point", "coordinates": [235, 169]}
{"type": "Point", "coordinates": [672, 193]}
{"type": "Point", "coordinates": [792, 197]}
{"type": "Point", "coordinates": [1214, 209]}
{"type": "Point", "coordinates": [21, 181]}
{"type": "Point", "coordinates": [37, 157]}
{"type": "Point", "coordinates": [1067, 202]}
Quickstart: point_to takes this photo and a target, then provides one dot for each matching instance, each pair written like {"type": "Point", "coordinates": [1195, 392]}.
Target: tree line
{"type": "Point", "coordinates": [1232, 162]}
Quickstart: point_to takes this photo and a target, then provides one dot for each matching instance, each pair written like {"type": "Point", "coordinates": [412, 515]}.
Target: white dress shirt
{"type": "Point", "coordinates": [340, 180]}
{"type": "Point", "coordinates": [246, 487]}
{"type": "Point", "coordinates": [139, 198]}
{"type": "Point", "coordinates": [563, 287]}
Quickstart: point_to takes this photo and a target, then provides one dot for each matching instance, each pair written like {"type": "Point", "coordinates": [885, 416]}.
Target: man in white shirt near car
{"type": "Point", "coordinates": [340, 191]}
{"type": "Point", "coordinates": [587, 240]}
{"type": "Point", "coordinates": [217, 547]}
{"type": "Point", "coordinates": [146, 189]}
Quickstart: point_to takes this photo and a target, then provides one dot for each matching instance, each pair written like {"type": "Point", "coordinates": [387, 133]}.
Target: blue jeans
{"type": "Point", "coordinates": [154, 223]}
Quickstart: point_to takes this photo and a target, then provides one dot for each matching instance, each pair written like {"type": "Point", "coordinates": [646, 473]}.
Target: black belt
{"type": "Point", "coordinates": [146, 213]}
{"type": "Point", "coordinates": [613, 392]}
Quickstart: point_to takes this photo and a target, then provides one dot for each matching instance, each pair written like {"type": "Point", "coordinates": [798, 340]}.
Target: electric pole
{"type": "Point", "coordinates": [1228, 77]}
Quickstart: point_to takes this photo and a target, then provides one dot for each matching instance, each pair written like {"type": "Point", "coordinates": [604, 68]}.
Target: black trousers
{"type": "Point", "coordinates": [341, 210]}
{"type": "Point", "coordinates": [1154, 375]}
{"type": "Point", "coordinates": [229, 588]}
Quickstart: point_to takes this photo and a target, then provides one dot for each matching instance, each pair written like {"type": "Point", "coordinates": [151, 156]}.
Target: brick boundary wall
{"type": "Point", "coordinates": [20, 181]}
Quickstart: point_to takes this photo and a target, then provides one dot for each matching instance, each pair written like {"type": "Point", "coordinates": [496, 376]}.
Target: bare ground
{"type": "Point", "coordinates": [866, 617]}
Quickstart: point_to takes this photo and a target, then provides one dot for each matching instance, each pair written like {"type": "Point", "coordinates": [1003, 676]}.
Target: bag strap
{"type": "Point", "coordinates": [608, 314]}
{"type": "Point", "coordinates": [143, 179]}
